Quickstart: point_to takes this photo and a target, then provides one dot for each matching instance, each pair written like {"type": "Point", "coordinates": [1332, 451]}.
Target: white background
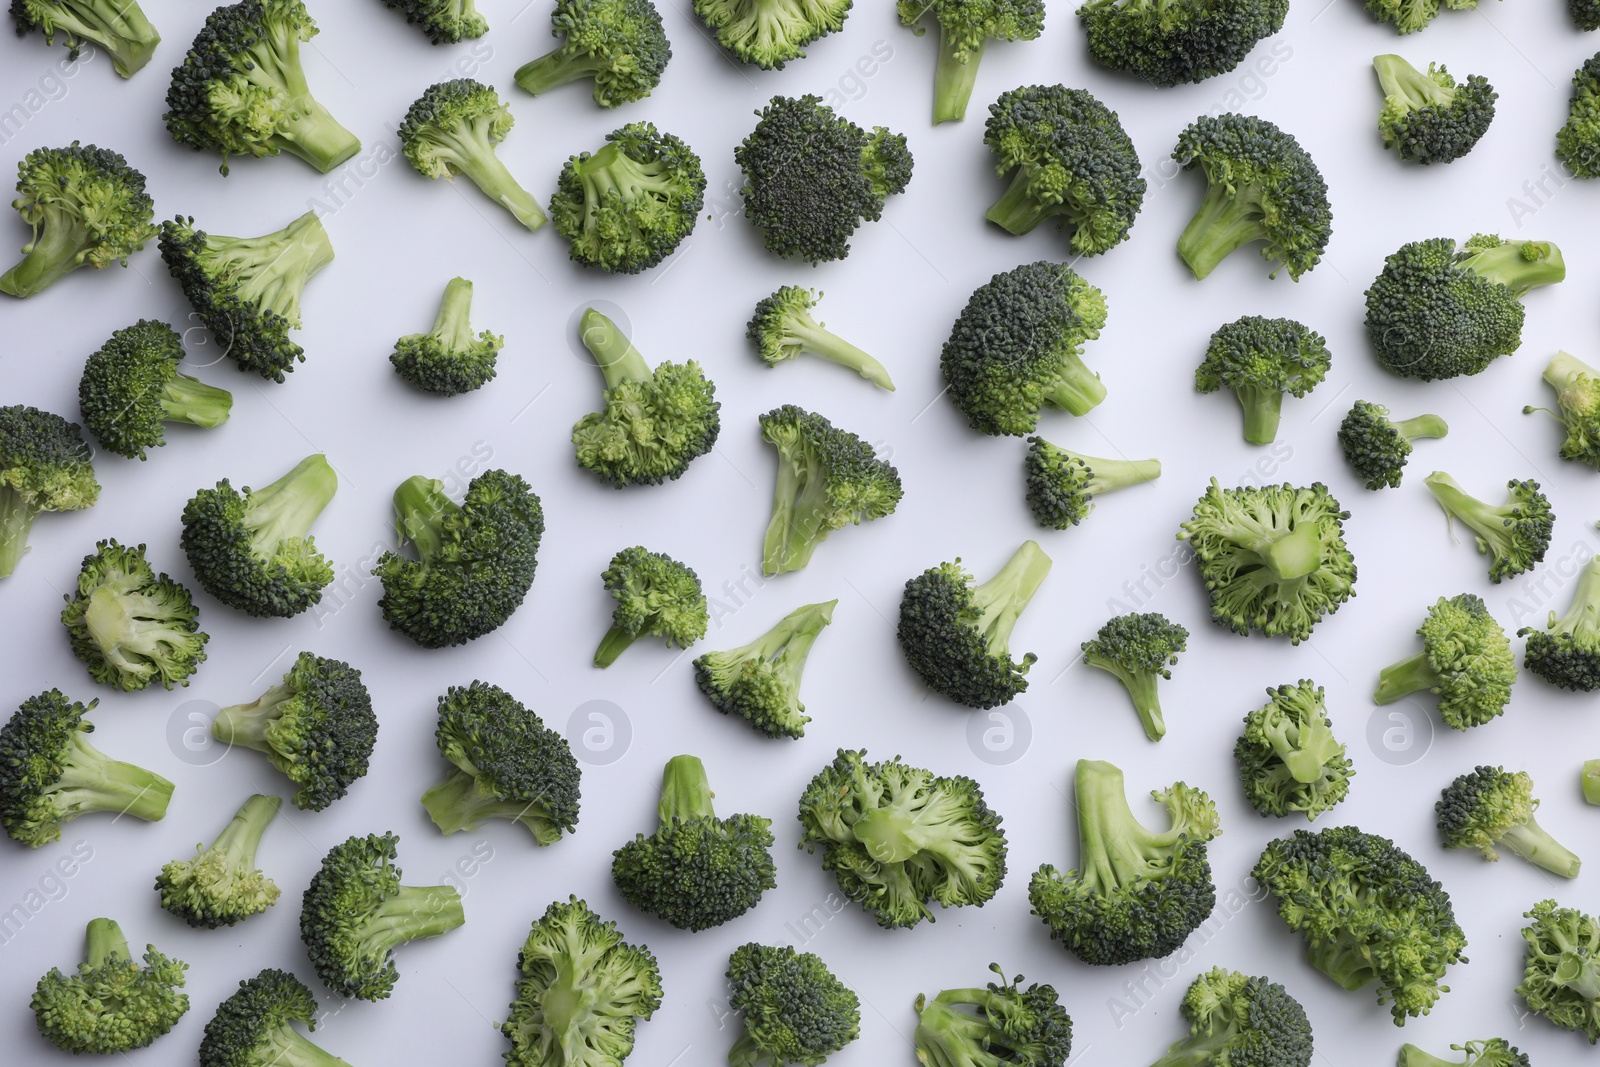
{"type": "Point", "coordinates": [399, 238]}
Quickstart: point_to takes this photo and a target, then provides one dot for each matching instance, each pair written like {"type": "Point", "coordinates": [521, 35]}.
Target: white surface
{"type": "Point", "coordinates": [399, 238]}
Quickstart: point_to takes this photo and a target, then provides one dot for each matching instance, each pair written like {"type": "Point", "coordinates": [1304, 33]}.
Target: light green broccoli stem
{"type": "Point", "coordinates": [286, 509]}
{"type": "Point", "coordinates": [189, 400]}
{"type": "Point", "coordinates": [799, 507]}
{"type": "Point", "coordinates": [685, 791]}
{"type": "Point", "coordinates": [1403, 82]}
{"type": "Point", "coordinates": [452, 326]}
{"type": "Point", "coordinates": [284, 1046]}
{"type": "Point", "coordinates": [1431, 426]}
{"type": "Point", "coordinates": [1141, 687]}
{"type": "Point", "coordinates": [473, 155]}
{"type": "Point", "coordinates": [49, 256]}
{"type": "Point", "coordinates": [1580, 972]}
{"type": "Point", "coordinates": [91, 781]}
{"type": "Point", "coordinates": [802, 330]}
{"type": "Point", "coordinates": [1229, 218]}
{"type": "Point", "coordinates": [273, 269]}
{"type": "Point", "coordinates": [1108, 474]}
{"type": "Point", "coordinates": [1563, 368]}
{"type": "Point", "coordinates": [1263, 407]}
{"type": "Point", "coordinates": [1295, 554]}
{"type": "Point", "coordinates": [618, 360]}
{"type": "Point", "coordinates": [1520, 265]}
{"type": "Point", "coordinates": [1485, 520]}
{"type": "Point", "coordinates": [1002, 599]}
{"type": "Point", "coordinates": [241, 838]}
{"type": "Point", "coordinates": [103, 941]}
{"type": "Point", "coordinates": [558, 68]}
{"type": "Point", "coordinates": [890, 834]}
{"type": "Point", "coordinates": [1076, 389]}
{"type": "Point", "coordinates": [1018, 210]}
{"type": "Point", "coordinates": [1343, 961]}
{"type": "Point", "coordinates": [118, 26]}
{"type": "Point", "coordinates": [1307, 760]}
{"type": "Point", "coordinates": [410, 914]}
{"type": "Point", "coordinates": [16, 520]}
{"type": "Point", "coordinates": [1113, 846]}
{"type": "Point", "coordinates": [1413, 674]}
{"type": "Point", "coordinates": [947, 1027]}
{"type": "Point", "coordinates": [1533, 843]}
{"type": "Point", "coordinates": [1591, 781]}
{"type": "Point", "coordinates": [420, 510]}
{"type": "Point", "coordinates": [254, 725]}
{"type": "Point", "coordinates": [612, 645]}
{"type": "Point", "coordinates": [1199, 1051]}
{"type": "Point", "coordinates": [1412, 1056]}
{"type": "Point", "coordinates": [1583, 616]}
{"type": "Point", "coordinates": [305, 128]}
{"type": "Point", "coordinates": [458, 803]}
{"type": "Point", "coordinates": [954, 76]}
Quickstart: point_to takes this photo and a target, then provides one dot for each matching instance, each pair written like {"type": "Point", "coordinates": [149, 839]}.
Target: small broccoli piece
{"type": "Point", "coordinates": [111, 1005]}
{"type": "Point", "coordinates": [1585, 14]}
{"type": "Point", "coordinates": [1561, 980]}
{"type": "Point", "coordinates": [1238, 1020]}
{"type": "Point", "coordinates": [1138, 650]}
{"type": "Point", "coordinates": [1288, 758]}
{"type": "Point", "coordinates": [760, 681]}
{"type": "Point", "coordinates": [45, 465]}
{"type": "Point", "coordinates": [1514, 535]}
{"type": "Point", "coordinates": [316, 726]}
{"type": "Point", "coordinates": [1273, 557]}
{"type": "Point", "coordinates": [828, 479]}
{"type": "Point", "coordinates": [1377, 447]}
{"type": "Point", "coordinates": [965, 29]}
{"type": "Point", "coordinates": [1062, 484]}
{"type": "Point", "coordinates": [782, 329]}
{"type": "Point", "coordinates": [132, 386]}
{"type": "Point", "coordinates": [769, 33]}
{"type": "Point", "coordinates": [1577, 387]}
{"type": "Point", "coordinates": [1260, 186]}
{"type": "Point", "coordinates": [811, 177]}
{"type": "Point", "coordinates": [1466, 659]}
{"type": "Point", "coordinates": [628, 206]}
{"type": "Point", "coordinates": [50, 774]}
{"type": "Point", "coordinates": [252, 1027]}
{"type": "Point", "coordinates": [795, 1010]}
{"type": "Point", "coordinates": [221, 885]}
{"type": "Point", "coordinates": [1492, 806]}
{"type": "Point", "coordinates": [1566, 652]}
{"type": "Point", "coordinates": [1591, 781]}
{"type": "Point", "coordinates": [118, 26]}
{"type": "Point", "coordinates": [1578, 141]}
{"type": "Point", "coordinates": [449, 359]}
{"type": "Point", "coordinates": [898, 837]}
{"type": "Point", "coordinates": [1428, 118]}
{"type": "Point", "coordinates": [475, 560]}
{"type": "Point", "coordinates": [1178, 41]}
{"type": "Point", "coordinates": [444, 21]}
{"type": "Point", "coordinates": [1007, 1026]}
{"type": "Point", "coordinates": [656, 597]}
{"type": "Point", "coordinates": [581, 991]}
{"type": "Point", "coordinates": [1495, 1052]}
{"type": "Point", "coordinates": [131, 626]}
{"type": "Point", "coordinates": [618, 44]}
{"type": "Point", "coordinates": [1259, 360]}
{"type": "Point", "coordinates": [452, 129]}
{"type": "Point", "coordinates": [1410, 16]}
{"type": "Point", "coordinates": [505, 764]}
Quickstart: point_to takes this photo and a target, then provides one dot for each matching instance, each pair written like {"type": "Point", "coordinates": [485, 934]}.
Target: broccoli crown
{"type": "Point", "coordinates": [828, 479]}
{"type": "Point", "coordinates": [1288, 758]}
{"type": "Point", "coordinates": [965, 29]}
{"type": "Point", "coordinates": [1566, 652]}
{"type": "Point", "coordinates": [769, 33]}
{"type": "Point", "coordinates": [1073, 161]}
{"type": "Point", "coordinates": [1015, 348]}
{"type": "Point", "coordinates": [1368, 912]}
{"type": "Point", "coordinates": [1061, 484]}
{"type": "Point", "coordinates": [656, 596]}
{"type": "Point", "coordinates": [449, 359]}
{"type": "Point", "coordinates": [1136, 895]}
{"type": "Point", "coordinates": [444, 21]}
{"type": "Point", "coordinates": [316, 726]}
{"type": "Point", "coordinates": [1259, 360]}
{"type": "Point", "coordinates": [1577, 389]}
{"type": "Point", "coordinates": [782, 328]}
{"type": "Point", "coordinates": [1376, 447]}
{"type": "Point", "coordinates": [795, 1010]}
{"type": "Point", "coordinates": [506, 764]}
{"type": "Point", "coordinates": [1428, 118]}
{"type": "Point", "coordinates": [111, 1005]}
{"type": "Point", "coordinates": [1561, 978]}
{"type": "Point", "coordinates": [221, 885]}
{"type": "Point", "coordinates": [760, 682]}
{"type": "Point", "coordinates": [452, 129]}
{"type": "Point", "coordinates": [1001, 1025]}
{"type": "Point", "coordinates": [811, 177]}
{"type": "Point", "coordinates": [1578, 141]}
{"type": "Point", "coordinates": [120, 28]}
{"type": "Point", "coordinates": [897, 837]}
{"type": "Point", "coordinates": [629, 205]}
{"type": "Point", "coordinates": [581, 991]}
{"type": "Point", "coordinates": [475, 560]}
{"type": "Point", "coordinates": [619, 44]}
{"type": "Point", "coordinates": [45, 465]}
{"type": "Point", "coordinates": [1409, 16]}
{"type": "Point", "coordinates": [253, 1027]}
{"type": "Point", "coordinates": [1260, 186]}
{"type": "Point", "coordinates": [1239, 1021]}
{"type": "Point", "coordinates": [131, 626]}
{"type": "Point", "coordinates": [1139, 649]}
{"type": "Point", "coordinates": [1585, 14]}
{"type": "Point", "coordinates": [1492, 806]}
{"type": "Point", "coordinates": [131, 386]}
{"type": "Point", "coordinates": [1514, 535]}
{"type": "Point", "coordinates": [1465, 659]}
{"type": "Point", "coordinates": [1495, 1052]}
{"type": "Point", "coordinates": [1273, 557]}
{"type": "Point", "coordinates": [1173, 43]}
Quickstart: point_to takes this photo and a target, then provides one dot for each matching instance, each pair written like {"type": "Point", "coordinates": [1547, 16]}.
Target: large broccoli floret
{"type": "Point", "coordinates": [1368, 913]}
{"type": "Point", "coordinates": [619, 44]}
{"type": "Point", "coordinates": [1566, 652]}
{"type": "Point", "coordinates": [898, 837]}
{"type": "Point", "coordinates": [45, 465]}
{"type": "Point", "coordinates": [1288, 758]}
{"type": "Point", "coordinates": [132, 386]}
{"type": "Point", "coordinates": [1514, 535]}
{"type": "Point", "coordinates": [1561, 977]}
{"type": "Point", "coordinates": [769, 33]}
{"type": "Point", "coordinates": [783, 329]}
{"type": "Point", "coordinates": [1428, 118]}
{"type": "Point", "coordinates": [221, 885]}
{"type": "Point", "coordinates": [811, 177]}
{"type": "Point", "coordinates": [1578, 141]}
{"type": "Point", "coordinates": [241, 91]}
{"type": "Point", "coordinates": [795, 1010]}
{"type": "Point", "coordinates": [118, 26]}
{"type": "Point", "coordinates": [1259, 360]}
{"type": "Point", "coordinates": [449, 359]}
{"type": "Point", "coordinates": [1239, 1021]}
{"type": "Point", "coordinates": [1139, 650]}
{"type": "Point", "coordinates": [444, 21]}
{"type": "Point", "coordinates": [505, 764]}
{"type": "Point", "coordinates": [1377, 447]}
{"type": "Point", "coordinates": [629, 205]}
{"type": "Point", "coordinates": [131, 626]}
{"type": "Point", "coordinates": [1585, 13]}
{"type": "Point", "coordinates": [1061, 484]}
{"type": "Point", "coordinates": [1491, 806]}
{"type": "Point", "coordinates": [111, 1005]}
{"type": "Point", "coordinates": [252, 1028]}
{"type": "Point", "coordinates": [50, 774]}
{"type": "Point", "coordinates": [965, 29]}
{"type": "Point", "coordinates": [1577, 387]}
{"type": "Point", "coordinates": [760, 681]}
{"type": "Point", "coordinates": [452, 129]}
{"type": "Point", "coordinates": [1466, 659]}
{"type": "Point", "coordinates": [1495, 1052]}
{"type": "Point", "coordinates": [656, 596]}
{"type": "Point", "coordinates": [1001, 1025]}
{"type": "Point", "coordinates": [1170, 43]}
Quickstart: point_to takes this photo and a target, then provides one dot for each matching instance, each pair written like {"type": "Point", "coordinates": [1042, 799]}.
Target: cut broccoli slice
{"type": "Point", "coordinates": [1566, 652]}
{"type": "Point", "coordinates": [965, 29]}
{"type": "Point", "coordinates": [1428, 118]}
{"type": "Point", "coordinates": [1561, 976]}
{"type": "Point", "coordinates": [444, 21]}
{"type": "Point", "coordinates": [1578, 140]}
{"type": "Point", "coordinates": [132, 386]}
{"type": "Point", "coordinates": [1577, 388]}
{"type": "Point", "coordinates": [795, 1010]}
{"type": "Point", "coordinates": [252, 1028]}
{"type": "Point", "coordinates": [760, 682]}
{"type": "Point", "coordinates": [131, 626]}
{"type": "Point", "coordinates": [1495, 1052]}
{"type": "Point", "coordinates": [1001, 1025]}
{"type": "Point", "coordinates": [1260, 360]}
{"type": "Point", "coordinates": [1239, 1021]}
{"type": "Point", "coordinates": [1061, 484]}
{"type": "Point", "coordinates": [45, 465]}
{"type": "Point", "coordinates": [1288, 758]}
{"type": "Point", "coordinates": [452, 129]}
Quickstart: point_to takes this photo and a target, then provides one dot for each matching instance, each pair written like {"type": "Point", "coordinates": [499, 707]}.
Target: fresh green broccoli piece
{"type": "Point", "coordinates": [1492, 806]}
{"type": "Point", "coordinates": [1561, 979]}
{"type": "Point", "coordinates": [656, 597]}
{"type": "Point", "coordinates": [1435, 312]}
{"type": "Point", "coordinates": [618, 44]}
{"type": "Point", "coordinates": [1577, 387]}
{"type": "Point", "coordinates": [45, 465]}
{"type": "Point", "coordinates": [1171, 43]}
{"type": "Point", "coordinates": [1288, 758]}
{"type": "Point", "coordinates": [118, 26]}
{"type": "Point", "coordinates": [769, 33]}
{"type": "Point", "coordinates": [1466, 659]}
{"type": "Point", "coordinates": [1073, 162]}
{"type": "Point", "coordinates": [828, 479]}
{"type": "Point", "coordinates": [1138, 650]}
{"type": "Point", "coordinates": [1006, 1026]}
{"type": "Point", "coordinates": [356, 913]}
{"type": "Point", "coordinates": [795, 1010]}
{"type": "Point", "coordinates": [1260, 186]}
{"type": "Point", "coordinates": [1062, 484]}
{"type": "Point", "coordinates": [811, 177]}
{"type": "Point", "coordinates": [898, 837]}
{"type": "Point", "coordinates": [247, 290]}
{"type": "Point", "coordinates": [1566, 652]}
{"type": "Point", "coordinates": [316, 726]}
{"type": "Point", "coordinates": [86, 207]}
{"type": "Point", "coordinates": [1495, 1052]}
{"type": "Point", "coordinates": [1578, 141]}
{"type": "Point", "coordinates": [1273, 558]}
{"type": "Point", "coordinates": [965, 29]}
{"type": "Point", "coordinates": [1368, 913]}
{"type": "Point", "coordinates": [475, 560]}
{"type": "Point", "coordinates": [1428, 118]}
{"type": "Point", "coordinates": [1514, 535]}
{"type": "Point", "coordinates": [1259, 360]}
{"type": "Point", "coordinates": [1410, 16]}
{"type": "Point", "coordinates": [782, 329]}
{"type": "Point", "coordinates": [111, 1005]}
{"type": "Point", "coordinates": [505, 764]}
{"type": "Point", "coordinates": [1585, 14]}
{"type": "Point", "coordinates": [241, 91]}
{"type": "Point", "coordinates": [50, 774]}
{"type": "Point", "coordinates": [221, 885]}
{"type": "Point", "coordinates": [1591, 781]}
{"type": "Point", "coordinates": [452, 129]}
{"type": "Point", "coordinates": [449, 359]}
{"type": "Point", "coordinates": [252, 1027]}
{"type": "Point", "coordinates": [696, 870]}
{"type": "Point", "coordinates": [956, 633]}
{"type": "Point", "coordinates": [760, 682]}
{"type": "Point", "coordinates": [131, 626]}
{"type": "Point", "coordinates": [444, 21]}
{"type": "Point", "coordinates": [1241, 1021]}
{"type": "Point", "coordinates": [132, 386]}
{"type": "Point", "coordinates": [581, 991]}
{"type": "Point", "coordinates": [1377, 447]}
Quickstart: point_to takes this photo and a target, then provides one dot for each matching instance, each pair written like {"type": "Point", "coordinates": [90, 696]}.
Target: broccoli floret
{"type": "Point", "coordinates": [782, 329]}
{"type": "Point", "coordinates": [1466, 659]}
{"type": "Point", "coordinates": [656, 596]}
{"type": "Point", "coordinates": [1436, 312]}
{"type": "Point", "coordinates": [1171, 43]}
{"type": "Point", "coordinates": [118, 26]}
{"type": "Point", "coordinates": [965, 29]}
{"type": "Point", "coordinates": [45, 465]}
{"type": "Point", "coordinates": [475, 560]}
{"type": "Point", "coordinates": [449, 359]}
{"type": "Point", "coordinates": [795, 1010]}
{"type": "Point", "coordinates": [1492, 806]}
{"type": "Point", "coordinates": [50, 774]}
{"type": "Point", "coordinates": [1288, 758]}
{"type": "Point", "coordinates": [1368, 913]}
{"type": "Point", "coordinates": [898, 837]}
{"type": "Point", "coordinates": [111, 1005]}
{"type": "Point", "coordinates": [1259, 360]}
{"type": "Point", "coordinates": [240, 90]}
{"type": "Point", "coordinates": [1238, 1020]}
{"type": "Point", "coordinates": [316, 726]}
{"type": "Point", "coordinates": [1273, 558]}
{"type": "Point", "coordinates": [629, 205]}
{"type": "Point", "coordinates": [696, 870]}
{"type": "Point", "coordinates": [828, 479]}
{"type": "Point", "coordinates": [132, 386]}
{"type": "Point", "coordinates": [452, 129]}
{"type": "Point", "coordinates": [505, 764]}
{"type": "Point", "coordinates": [1578, 141]}
{"type": "Point", "coordinates": [1377, 447]}
{"type": "Point", "coordinates": [811, 177]}
{"type": "Point", "coordinates": [619, 44]}
{"type": "Point", "coordinates": [1577, 387]}
{"type": "Point", "coordinates": [1585, 13]}
{"type": "Point", "coordinates": [1410, 16]}
{"type": "Point", "coordinates": [247, 290]}
{"type": "Point", "coordinates": [252, 1027]}
{"type": "Point", "coordinates": [1062, 484]}
{"type": "Point", "coordinates": [1260, 186]}
{"type": "Point", "coordinates": [1428, 118]}
{"type": "Point", "coordinates": [221, 885]}
{"type": "Point", "coordinates": [86, 206]}
{"type": "Point", "coordinates": [444, 21]}
{"type": "Point", "coordinates": [769, 33]}
{"type": "Point", "coordinates": [1495, 1052]}
{"type": "Point", "coordinates": [1138, 650]}
{"type": "Point", "coordinates": [1566, 652]}
{"type": "Point", "coordinates": [1073, 162]}
{"type": "Point", "coordinates": [1006, 1026]}
{"type": "Point", "coordinates": [581, 991]}
{"type": "Point", "coordinates": [760, 681]}
{"type": "Point", "coordinates": [131, 626]}
{"type": "Point", "coordinates": [1561, 979]}
{"type": "Point", "coordinates": [1514, 535]}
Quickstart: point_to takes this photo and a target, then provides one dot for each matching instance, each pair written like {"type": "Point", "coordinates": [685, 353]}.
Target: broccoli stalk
{"type": "Point", "coordinates": [1229, 218]}
{"type": "Point", "coordinates": [1518, 265]}
{"type": "Point", "coordinates": [783, 328]}
{"type": "Point", "coordinates": [954, 75]}
{"type": "Point", "coordinates": [1514, 535]}
{"type": "Point", "coordinates": [998, 603]}
{"type": "Point", "coordinates": [1138, 650]}
{"type": "Point", "coordinates": [1007, 1027]}
{"type": "Point", "coordinates": [1414, 674]}
{"type": "Point", "coordinates": [118, 26]}
{"type": "Point", "coordinates": [92, 781]}
{"type": "Point", "coordinates": [1591, 781]}
{"type": "Point", "coordinates": [286, 509]}
{"type": "Point", "coordinates": [453, 128]}
{"type": "Point", "coordinates": [1495, 1052]}
{"type": "Point", "coordinates": [616, 356]}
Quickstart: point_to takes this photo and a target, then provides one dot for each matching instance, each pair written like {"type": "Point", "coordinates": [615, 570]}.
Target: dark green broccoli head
{"type": "Point", "coordinates": [1239, 1021]}
{"type": "Point", "coordinates": [45, 465]}
{"type": "Point", "coordinates": [221, 885]}
{"type": "Point", "coordinates": [760, 682]}
{"type": "Point", "coordinates": [1514, 535]}
{"type": "Point", "coordinates": [1259, 360]}
{"type": "Point", "coordinates": [1577, 388]}
{"type": "Point", "coordinates": [629, 205]}
{"type": "Point", "coordinates": [131, 626]}
{"type": "Point", "coordinates": [1566, 652]}
{"type": "Point", "coordinates": [965, 29]}
{"type": "Point", "coordinates": [111, 1005]}
{"type": "Point", "coordinates": [118, 26]}
{"type": "Point", "coordinates": [656, 596]}
{"type": "Point", "coordinates": [782, 329]}
{"type": "Point", "coordinates": [1466, 660]}
{"type": "Point", "coordinates": [1168, 44]}
{"type": "Point", "coordinates": [1585, 14]}
{"type": "Point", "coordinates": [1561, 976]}
{"type": "Point", "coordinates": [449, 359]}
{"type": "Point", "coordinates": [795, 1010]}
{"type": "Point", "coordinates": [444, 21]}
{"type": "Point", "coordinates": [1139, 650]}
{"type": "Point", "coordinates": [253, 1027]}
{"type": "Point", "coordinates": [1427, 117]}
{"type": "Point", "coordinates": [1288, 758]}
{"type": "Point", "coordinates": [769, 33]}
{"type": "Point", "coordinates": [452, 129]}
{"type": "Point", "coordinates": [1578, 141]}
{"type": "Point", "coordinates": [619, 44]}
{"type": "Point", "coordinates": [1001, 1025]}
{"type": "Point", "coordinates": [131, 387]}
{"type": "Point", "coordinates": [1061, 484]}
{"type": "Point", "coordinates": [1377, 447]}
{"type": "Point", "coordinates": [1492, 807]}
